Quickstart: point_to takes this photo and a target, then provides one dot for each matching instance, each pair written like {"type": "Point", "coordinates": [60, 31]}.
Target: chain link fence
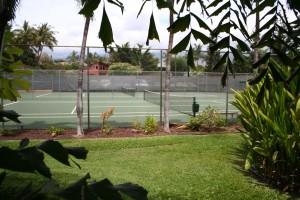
{"type": "Point", "coordinates": [62, 82]}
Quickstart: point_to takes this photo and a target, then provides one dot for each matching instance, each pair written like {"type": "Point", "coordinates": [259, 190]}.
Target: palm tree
{"type": "Point", "coordinates": [24, 35]}
{"type": "Point", "coordinates": [34, 39]}
{"type": "Point", "coordinates": [197, 49]}
{"type": "Point", "coordinates": [73, 57]}
{"type": "Point", "coordinates": [168, 72]}
{"type": "Point", "coordinates": [44, 37]}
{"type": "Point", "coordinates": [79, 105]}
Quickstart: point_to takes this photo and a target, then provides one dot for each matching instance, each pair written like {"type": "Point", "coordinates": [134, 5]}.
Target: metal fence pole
{"type": "Point", "coordinates": [88, 90]}
{"type": "Point", "coordinates": [161, 87]}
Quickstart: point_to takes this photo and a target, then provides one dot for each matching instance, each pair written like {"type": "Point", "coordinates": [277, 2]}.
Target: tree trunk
{"type": "Point", "coordinates": [79, 107]}
{"type": "Point", "coordinates": [256, 39]}
{"type": "Point", "coordinates": [167, 77]}
{"type": "Point", "coordinates": [40, 50]}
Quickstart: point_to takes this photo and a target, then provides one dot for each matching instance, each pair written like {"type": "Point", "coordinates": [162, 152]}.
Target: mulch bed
{"type": "Point", "coordinates": [117, 133]}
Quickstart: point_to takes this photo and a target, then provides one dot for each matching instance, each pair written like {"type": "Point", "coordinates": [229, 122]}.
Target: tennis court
{"type": "Point", "coordinates": [46, 108]}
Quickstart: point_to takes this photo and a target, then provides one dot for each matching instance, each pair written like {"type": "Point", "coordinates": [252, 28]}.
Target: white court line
{"type": "Point", "coordinates": [76, 106]}
{"type": "Point", "coordinates": [221, 102]}
{"type": "Point", "coordinates": [73, 110]}
{"type": "Point", "coordinates": [11, 103]}
{"type": "Point", "coordinates": [43, 95]}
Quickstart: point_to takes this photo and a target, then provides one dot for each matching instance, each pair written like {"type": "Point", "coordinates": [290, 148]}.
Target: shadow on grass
{"type": "Point", "coordinates": [240, 154]}
{"type": "Point", "coordinates": [15, 182]}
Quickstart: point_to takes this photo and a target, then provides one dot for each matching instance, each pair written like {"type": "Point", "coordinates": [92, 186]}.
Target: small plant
{"type": "Point", "coordinates": [208, 119]}
{"type": "Point", "coordinates": [150, 124]}
{"type": "Point", "coordinates": [107, 129]}
{"type": "Point", "coordinates": [137, 125]}
{"type": "Point", "coordinates": [54, 131]}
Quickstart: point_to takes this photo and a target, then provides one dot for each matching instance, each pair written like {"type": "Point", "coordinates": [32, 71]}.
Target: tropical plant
{"type": "Point", "coordinates": [272, 126]}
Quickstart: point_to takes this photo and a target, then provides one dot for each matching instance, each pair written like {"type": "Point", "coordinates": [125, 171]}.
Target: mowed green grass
{"type": "Point", "coordinates": [169, 167]}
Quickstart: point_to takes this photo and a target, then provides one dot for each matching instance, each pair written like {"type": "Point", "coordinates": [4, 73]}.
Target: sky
{"type": "Point", "coordinates": [63, 16]}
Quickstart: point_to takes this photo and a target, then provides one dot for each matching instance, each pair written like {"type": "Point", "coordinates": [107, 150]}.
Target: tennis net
{"type": "Point", "coordinates": [183, 104]}
{"type": "Point", "coordinates": [128, 91]}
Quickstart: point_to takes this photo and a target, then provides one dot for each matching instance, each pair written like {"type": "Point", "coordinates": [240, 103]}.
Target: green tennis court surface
{"type": "Point", "coordinates": [43, 109]}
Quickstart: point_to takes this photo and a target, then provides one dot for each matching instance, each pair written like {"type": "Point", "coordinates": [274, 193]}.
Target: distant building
{"type": "Point", "coordinates": [98, 68]}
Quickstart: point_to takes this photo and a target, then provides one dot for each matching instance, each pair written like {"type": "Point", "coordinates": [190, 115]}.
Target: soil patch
{"type": "Point", "coordinates": [119, 132]}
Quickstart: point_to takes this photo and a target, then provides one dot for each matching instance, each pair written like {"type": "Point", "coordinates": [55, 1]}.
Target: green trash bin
{"type": "Point", "coordinates": [196, 107]}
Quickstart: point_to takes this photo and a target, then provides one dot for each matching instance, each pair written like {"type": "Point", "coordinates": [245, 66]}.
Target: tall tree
{"type": "Point", "coordinates": [79, 104]}
{"type": "Point", "coordinates": [32, 39]}
{"type": "Point", "coordinates": [136, 56]}
{"type": "Point", "coordinates": [44, 37]}
{"type": "Point", "coordinates": [73, 57]}
{"type": "Point", "coordinates": [24, 36]}
{"type": "Point", "coordinates": [105, 33]}
{"type": "Point", "coordinates": [168, 71]}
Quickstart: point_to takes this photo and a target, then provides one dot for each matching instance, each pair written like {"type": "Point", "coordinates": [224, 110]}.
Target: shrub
{"type": "Point", "coordinates": [208, 119]}
{"type": "Point", "coordinates": [56, 130]}
{"type": "Point", "coordinates": [124, 67]}
{"type": "Point", "coordinates": [137, 125]}
{"type": "Point", "coordinates": [150, 124]}
{"type": "Point", "coordinates": [270, 114]}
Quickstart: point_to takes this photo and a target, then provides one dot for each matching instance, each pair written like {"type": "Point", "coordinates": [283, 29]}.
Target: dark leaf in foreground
{"type": "Point", "coordinates": [105, 33]}
{"type": "Point", "coordinates": [77, 152]}
{"type": "Point", "coordinates": [9, 114]}
{"type": "Point", "coordinates": [152, 32]}
{"type": "Point", "coordinates": [55, 150]}
{"type": "Point", "coordinates": [11, 160]}
{"type": "Point", "coordinates": [105, 190]}
{"type": "Point", "coordinates": [36, 159]}
{"type": "Point", "coordinates": [132, 190]}
{"type": "Point", "coordinates": [77, 191]}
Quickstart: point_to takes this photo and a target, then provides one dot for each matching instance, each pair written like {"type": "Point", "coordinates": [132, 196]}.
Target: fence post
{"type": "Point", "coordinates": [161, 88]}
{"type": "Point", "coordinates": [88, 89]}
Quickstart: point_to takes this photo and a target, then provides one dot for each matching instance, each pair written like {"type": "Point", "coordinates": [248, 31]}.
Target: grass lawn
{"type": "Point", "coordinates": [169, 167]}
